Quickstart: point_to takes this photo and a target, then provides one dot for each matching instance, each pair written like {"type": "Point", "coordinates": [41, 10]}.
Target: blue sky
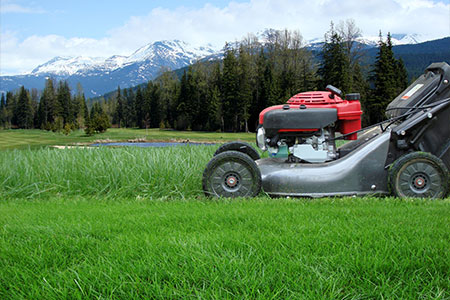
{"type": "Point", "coordinates": [32, 32]}
{"type": "Point", "coordinates": [86, 18]}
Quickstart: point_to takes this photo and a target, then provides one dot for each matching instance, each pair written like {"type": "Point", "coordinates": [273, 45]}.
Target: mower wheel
{"type": "Point", "coordinates": [231, 174]}
{"type": "Point", "coordinates": [418, 174]}
{"type": "Point", "coordinates": [239, 146]}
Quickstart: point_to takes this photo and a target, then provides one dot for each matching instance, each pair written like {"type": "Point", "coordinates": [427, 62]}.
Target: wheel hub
{"type": "Point", "coordinates": [231, 181]}
{"type": "Point", "coordinates": [419, 181]}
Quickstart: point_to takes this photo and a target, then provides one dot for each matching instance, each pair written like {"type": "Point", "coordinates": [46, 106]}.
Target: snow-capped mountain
{"type": "Point", "coordinates": [66, 66]}
{"type": "Point", "coordinates": [100, 75]}
{"type": "Point", "coordinates": [372, 41]}
{"type": "Point", "coordinates": [396, 39]}
{"type": "Point", "coordinates": [170, 51]}
{"type": "Point", "coordinates": [161, 53]}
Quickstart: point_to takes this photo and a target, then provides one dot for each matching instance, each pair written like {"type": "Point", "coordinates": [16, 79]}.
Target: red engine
{"type": "Point", "coordinates": [307, 124]}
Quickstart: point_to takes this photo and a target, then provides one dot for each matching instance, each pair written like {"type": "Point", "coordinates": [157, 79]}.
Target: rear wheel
{"type": "Point", "coordinates": [240, 147]}
{"type": "Point", "coordinates": [418, 174]}
{"type": "Point", "coordinates": [231, 174]}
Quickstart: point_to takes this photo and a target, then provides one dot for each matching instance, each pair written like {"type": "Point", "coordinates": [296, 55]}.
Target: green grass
{"type": "Point", "coordinates": [101, 171]}
{"type": "Point", "coordinates": [132, 223]}
{"type": "Point", "coordinates": [22, 139]}
{"type": "Point", "coordinates": [347, 248]}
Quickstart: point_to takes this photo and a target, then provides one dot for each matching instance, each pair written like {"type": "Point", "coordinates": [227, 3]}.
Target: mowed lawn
{"type": "Point", "coordinates": [262, 248]}
{"type": "Point", "coordinates": [22, 139]}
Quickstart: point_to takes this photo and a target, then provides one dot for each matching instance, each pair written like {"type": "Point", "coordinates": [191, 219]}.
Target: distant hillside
{"type": "Point", "coordinates": [418, 57]}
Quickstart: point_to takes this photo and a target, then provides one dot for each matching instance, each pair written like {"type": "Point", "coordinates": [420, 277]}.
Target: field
{"type": "Point", "coordinates": [23, 139]}
{"type": "Point", "coordinates": [132, 223]}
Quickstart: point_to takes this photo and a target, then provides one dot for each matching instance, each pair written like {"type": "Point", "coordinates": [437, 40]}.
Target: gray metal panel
{"type": "Point", "coordinates": [355, 174]}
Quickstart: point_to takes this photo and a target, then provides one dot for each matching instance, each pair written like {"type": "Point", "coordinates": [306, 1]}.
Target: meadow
{"type": "Point", "coordinates": [35, 138]}
{"type": "Point", "coordinates": [133, 223]}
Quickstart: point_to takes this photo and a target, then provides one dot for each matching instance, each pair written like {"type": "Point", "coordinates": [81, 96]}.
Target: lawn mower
{"type": "Point", "coordinates": [408, 155]}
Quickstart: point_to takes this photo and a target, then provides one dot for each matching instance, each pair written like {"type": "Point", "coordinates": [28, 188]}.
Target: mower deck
{"type": "Point", "coordinates": [358, 173]}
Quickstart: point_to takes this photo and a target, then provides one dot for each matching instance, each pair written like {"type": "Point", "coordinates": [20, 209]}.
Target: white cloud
{"type": "Point", "coordinates": [22, 56]}
{"type": "Point", "coordinates": [211, 24]}
{"type": "Point", "coordinates": [9, 7]}
{"type": "Point", "coordinates": [216, 25]}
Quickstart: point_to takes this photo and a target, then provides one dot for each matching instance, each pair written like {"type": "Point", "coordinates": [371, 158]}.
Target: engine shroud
{"type": "Point", "coordinates": [312, 111]}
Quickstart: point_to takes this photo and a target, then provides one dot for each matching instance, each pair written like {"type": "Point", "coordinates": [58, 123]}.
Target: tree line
{"type": "Point", "coordinates": [56, 109]}
{"type": "Point", "coordinates": [222, 95]}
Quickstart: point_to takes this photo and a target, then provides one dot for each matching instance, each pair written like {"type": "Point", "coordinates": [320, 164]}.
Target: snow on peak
{"type": "Point", "coordinates": [171, 50]}
{"type": "Point", "coordinates": [404, 39]}
{"type": "Point", "coordinates": [64, 65]}
{"type": "Point", "coordinates": [396, 39]}
{"type": "Point", "coordinates": [153, 52]}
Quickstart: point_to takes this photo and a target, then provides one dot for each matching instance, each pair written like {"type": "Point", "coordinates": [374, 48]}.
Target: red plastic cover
{"type": "Point", "coordinates": [349, 112]}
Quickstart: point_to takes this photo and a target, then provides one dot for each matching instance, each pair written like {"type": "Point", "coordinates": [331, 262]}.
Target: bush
{"type": "Point", "coordinates": [97, 124]}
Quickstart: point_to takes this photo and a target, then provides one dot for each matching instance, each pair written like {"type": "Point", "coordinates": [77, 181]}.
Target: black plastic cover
{"type": "Point", "coordinates": [422, 91]}
{"type": "Point", "coordinates": [353, 97]}
{"type": "Point", "coordinates": [310, 118]}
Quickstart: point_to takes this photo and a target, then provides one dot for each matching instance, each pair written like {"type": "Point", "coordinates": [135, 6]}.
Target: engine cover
{"type": "Point", "coordinates": [307, 119]}
{"type": "Point", "coordinates": [348, 114]}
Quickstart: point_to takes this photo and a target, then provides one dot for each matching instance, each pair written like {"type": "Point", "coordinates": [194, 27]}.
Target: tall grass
{"type": "Point", "coordinates": [118, 172]}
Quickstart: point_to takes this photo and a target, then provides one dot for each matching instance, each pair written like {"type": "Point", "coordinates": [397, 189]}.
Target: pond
{"type": "Point", "coordinates": [150, 144]}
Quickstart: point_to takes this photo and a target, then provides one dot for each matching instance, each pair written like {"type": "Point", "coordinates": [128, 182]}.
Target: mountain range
{"type": "Point", "coordinates": [98, 76]}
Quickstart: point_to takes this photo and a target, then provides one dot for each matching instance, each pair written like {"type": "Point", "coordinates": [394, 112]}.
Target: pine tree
{"type": "Point", "coordinates": [245, 89]}
{"type": "Point", "coordinates": [214, 109]}
{"type": "Point", "coordinates": [259, 100]}
{"type": "Point", "coordinates": [85, 112]}
{"type": "Point", "coordinates": [120, 108]}
{"type": "Point", "coordinates": [3, 111]}
{"type": "Point", "coordinates": [200, 96]}
{"type": "Point", "coordinates": [230, 90]}
{"type": "Point", "coordinates": [24, 110]}
{"type": "Point", "coordinates": [130, 108]}
{"type": "Point", "coordinates": [146, 110]}
{"type": "Point", "coordinates": [389, 78]}
{"type": "Point", "coordinates": [215, 115]}
{"type": "Point", "coordinates": [182, 110]}
{"type": "Point", "coordinates": [401, 76]}
{"type": "Point", "coordinates": [168, 97]}
{"type": "Point", "coordinates": [335, 66]}
{"type": "Point", "coordinates": [140, 108]}
{"type": "Point", "coordinates": [78, 108]}
{"type": "Point", "coordinates": [11, 104]}
{"type": "Point", "coordinates": [192, 98]}
{"type": "Point", "coordinates": [64, 103]}
{"type": "Point", "coordinates": [47, 106]}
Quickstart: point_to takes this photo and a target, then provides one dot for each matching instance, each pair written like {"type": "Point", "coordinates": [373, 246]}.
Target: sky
{"type": "Point", "coordinates": [35, 31]}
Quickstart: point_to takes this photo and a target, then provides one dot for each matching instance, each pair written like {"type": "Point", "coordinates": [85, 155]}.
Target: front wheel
{"type": "Point", "coordinates": [418, 174]}
{"type": "Point", "coordinates": [231, 174]}
{"type": "Point", "coordinates": [240, 147]}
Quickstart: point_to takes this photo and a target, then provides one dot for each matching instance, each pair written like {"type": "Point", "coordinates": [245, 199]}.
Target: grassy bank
{"type": "Point", "coordinates": [100, 171]}
{"type": "Point", "coordinates": [22, 139]}
{"type": "Point", "coordinates": [346, 248]}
